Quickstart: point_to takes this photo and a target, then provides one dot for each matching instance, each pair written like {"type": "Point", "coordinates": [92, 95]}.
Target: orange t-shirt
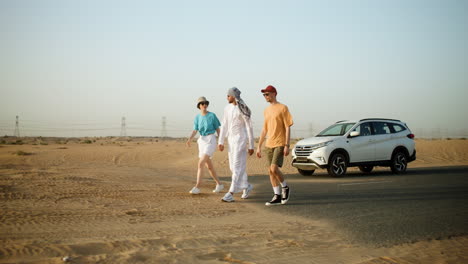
{"type": "Point", "coordinates": [277, 118]}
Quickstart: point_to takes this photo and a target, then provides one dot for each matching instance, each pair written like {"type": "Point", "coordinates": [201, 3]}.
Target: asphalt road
{"type": "Point", "coordinates": [380, 208]}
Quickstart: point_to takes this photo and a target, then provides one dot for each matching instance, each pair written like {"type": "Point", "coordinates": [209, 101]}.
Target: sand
{"type": "Point", "coordinates": [126, 201]}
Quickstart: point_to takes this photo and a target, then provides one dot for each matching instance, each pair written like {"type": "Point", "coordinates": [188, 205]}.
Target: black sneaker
{"type": "Point", "coordinates": [275, 201]}
{"type": "Point", "coordinates": [285, 195]}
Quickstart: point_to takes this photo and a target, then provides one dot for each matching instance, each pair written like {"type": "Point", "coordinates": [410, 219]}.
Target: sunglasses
{"type": "Point", "coordinates": [205, 103]}
{"type": "Point", "coordinates": [266, 94]}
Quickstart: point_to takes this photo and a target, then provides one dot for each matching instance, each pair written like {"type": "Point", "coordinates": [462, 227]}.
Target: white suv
{"type": "Point", "coordinates": [365, 143]}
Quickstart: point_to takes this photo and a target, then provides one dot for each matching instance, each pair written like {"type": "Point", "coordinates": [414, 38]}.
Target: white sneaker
{"type": "Point", "coordinates": [195, 190]}
{"type": "Point", "coordinates": [228, 198]}
{"type": "Point", "coordinates": [219, 187]}
{"type": "Point", "coordinates": [246, 192]}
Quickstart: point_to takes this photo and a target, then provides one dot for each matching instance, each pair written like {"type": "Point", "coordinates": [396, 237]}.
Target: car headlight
{"type": "Point", "coordinates": [321, 145]}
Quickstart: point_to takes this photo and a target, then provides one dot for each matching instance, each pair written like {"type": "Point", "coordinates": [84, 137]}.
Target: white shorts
{"type": "Point", "coordinates": [206, 145]}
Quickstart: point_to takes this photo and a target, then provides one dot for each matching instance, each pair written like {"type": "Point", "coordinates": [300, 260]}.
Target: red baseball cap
{"type": "Point", "coordinates": [270, 89]}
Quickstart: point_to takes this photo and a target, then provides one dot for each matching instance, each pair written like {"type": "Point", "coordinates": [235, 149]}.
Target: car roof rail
{"type": "Point", "coordinates": [340, 121]}
{"type": "Point", "coordinates": [388, 119]}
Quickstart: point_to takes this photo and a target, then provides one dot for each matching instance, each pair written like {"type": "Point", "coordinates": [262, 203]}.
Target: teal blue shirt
{"type": "Point", "coordinates": [206, 124]}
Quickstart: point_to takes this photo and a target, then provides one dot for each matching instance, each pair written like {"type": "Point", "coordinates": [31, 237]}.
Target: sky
{"type": "Point", "coordinates": [75, 68]}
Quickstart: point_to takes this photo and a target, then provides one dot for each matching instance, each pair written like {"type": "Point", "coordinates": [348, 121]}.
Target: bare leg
{"type": "Point", "coordinates": [201, 162]}
{"type": "Point", "coordinates": [276, 176]}
{"type": "Point", "coordinates": [209, 165]}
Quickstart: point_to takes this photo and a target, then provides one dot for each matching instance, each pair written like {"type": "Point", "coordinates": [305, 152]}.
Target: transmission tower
{"type": "Point", "coordinates": [163, 128]}
{"type": "Point", "coordinates": [123, 128]}
{"type": "Point", "coordinates": [17, 133]}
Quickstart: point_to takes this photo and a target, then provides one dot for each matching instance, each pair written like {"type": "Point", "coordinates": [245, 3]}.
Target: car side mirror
{"type": "Point", "coordinates": [354, 134]}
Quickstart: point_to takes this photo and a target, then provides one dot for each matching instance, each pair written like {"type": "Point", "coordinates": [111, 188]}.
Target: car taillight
{"type": "Point", "coordinates": [410, 136]}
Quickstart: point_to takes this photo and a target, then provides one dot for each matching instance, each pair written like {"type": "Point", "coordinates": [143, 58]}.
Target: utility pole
{"type": "Point", "coordinates": [123, 128]}
{"type": "Point", "coordinates": [17, 132]}
{"type": "Point", "coordinates": [163, 127]}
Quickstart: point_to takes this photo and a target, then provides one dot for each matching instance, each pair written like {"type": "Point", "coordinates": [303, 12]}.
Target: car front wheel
{"type": "Point", "coordinates": [337, 166]}
{"type": "Point", "coordinates": [399, 162]}
{"type": "Point", "coordinates": [305, 172]}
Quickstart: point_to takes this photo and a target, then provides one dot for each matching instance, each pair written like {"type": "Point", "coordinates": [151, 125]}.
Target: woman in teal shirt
{"type": "Point", "coordinates": [206, 123]}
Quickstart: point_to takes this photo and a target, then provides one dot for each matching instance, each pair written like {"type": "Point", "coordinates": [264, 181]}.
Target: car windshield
{"type": "Point", "coordinates": [336, 130]}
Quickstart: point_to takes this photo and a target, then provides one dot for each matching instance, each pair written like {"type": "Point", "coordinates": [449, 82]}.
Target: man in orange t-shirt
{"type": "Point", "coordinates": [277, 126]}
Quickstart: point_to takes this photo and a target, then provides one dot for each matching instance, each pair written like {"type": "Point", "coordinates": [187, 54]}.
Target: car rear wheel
{"type": "Point", "coordinates": [366, 169]}
{"type": "Point", "coordinates": [399, 162]}
{"type": "Point", "coordinates": [305, 172]}
{"type": "Point", "coordinates": [337, 166]}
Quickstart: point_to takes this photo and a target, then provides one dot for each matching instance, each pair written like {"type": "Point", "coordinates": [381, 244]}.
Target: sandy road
{"type": "Point", "coordinates": [383, 209]}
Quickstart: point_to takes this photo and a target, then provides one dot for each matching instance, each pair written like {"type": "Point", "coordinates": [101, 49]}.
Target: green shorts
{"type": "Point", "coordinates": [275, 155]}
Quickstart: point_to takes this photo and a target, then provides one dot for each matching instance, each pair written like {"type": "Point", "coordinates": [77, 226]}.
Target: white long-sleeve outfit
{"type": "Point", "coordinates": [238, 129]}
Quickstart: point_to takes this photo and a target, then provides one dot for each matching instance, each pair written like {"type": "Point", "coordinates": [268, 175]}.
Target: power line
{"type": "Point", "coordinates": [34, 127]}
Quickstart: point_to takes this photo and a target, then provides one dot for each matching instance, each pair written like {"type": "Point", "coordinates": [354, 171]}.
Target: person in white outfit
{"type": "Point", "coordinates": [206, 123]}
{"type": "Point", "coordinates": [237, 127]}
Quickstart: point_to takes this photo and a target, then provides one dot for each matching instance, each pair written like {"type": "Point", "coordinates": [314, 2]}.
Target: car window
{"type": "Point", "coordinates": [381, 128]}
{"type": "Point", "coordinates": [398, 128]}
{"type": "Point", "coordinates": [364, 129]}
{"type": "Point", "coordinates": [336, 130]}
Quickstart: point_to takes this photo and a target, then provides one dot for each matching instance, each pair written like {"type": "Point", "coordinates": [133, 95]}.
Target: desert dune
{"type": "Point", "coordinates": [111, 200]}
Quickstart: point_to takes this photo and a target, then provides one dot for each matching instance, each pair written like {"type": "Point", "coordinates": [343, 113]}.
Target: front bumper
{"type": "Point", "coordinates": [308, 165]}
{"type": "Point", "coordinates": [315, 160]}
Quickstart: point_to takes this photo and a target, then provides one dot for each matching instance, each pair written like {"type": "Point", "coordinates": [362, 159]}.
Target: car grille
{"type": "Point", "coordinates": [303, 151]}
